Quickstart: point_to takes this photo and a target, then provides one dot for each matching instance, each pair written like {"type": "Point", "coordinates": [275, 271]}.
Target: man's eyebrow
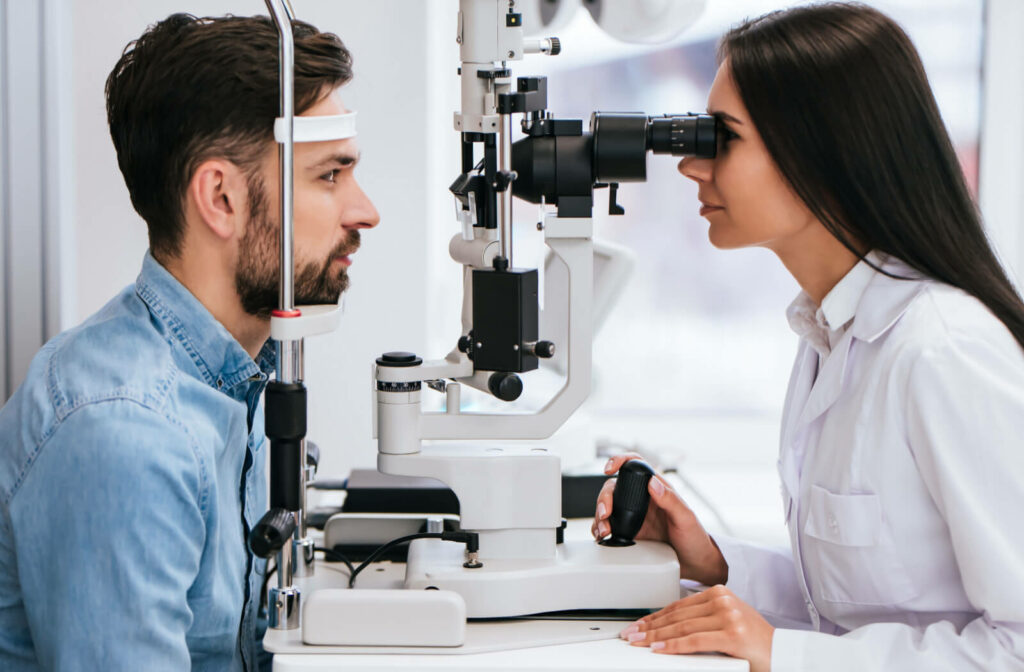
{"type": "Point", "coordinates": [725, 116]}
{"type": "Point", "coordinates": [340, 158]}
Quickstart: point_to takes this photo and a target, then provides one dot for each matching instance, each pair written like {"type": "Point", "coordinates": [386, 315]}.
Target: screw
{"type": "Point", "coordinates": [540, 226]}
{"type": "Point", "coordinates": [511, 54]}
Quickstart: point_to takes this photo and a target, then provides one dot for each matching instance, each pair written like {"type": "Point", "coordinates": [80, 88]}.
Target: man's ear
{"type": "Point", "coordinates": [218, 191]}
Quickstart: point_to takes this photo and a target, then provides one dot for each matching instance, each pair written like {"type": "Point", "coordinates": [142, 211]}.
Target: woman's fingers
{"type": "Point", "coordinates": [600, 527]}
{"type": "Point", "coordinates": [682, 628]}
{"type": "Point", "coordinates": [615, 462]}
{"type": "Point", "coordinates": [666, 616]}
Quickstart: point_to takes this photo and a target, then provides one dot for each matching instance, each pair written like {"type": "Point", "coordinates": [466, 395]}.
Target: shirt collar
{"type": "Point", "coordinates": [221, 360]}
{"type": "Point", "coordinates": [822, 326]}
{"type": "Point", "coordinates": [887, 299]}
{"type": "Point", "coordinates": [839, 305]}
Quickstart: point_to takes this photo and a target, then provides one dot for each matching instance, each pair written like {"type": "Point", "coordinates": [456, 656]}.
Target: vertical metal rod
{"type": "Point", "coordinates": [285, 610]}
{"type": "Point", "coordinates": [286, 73]}
{"type": "Point", "coordinates": [505, 197]}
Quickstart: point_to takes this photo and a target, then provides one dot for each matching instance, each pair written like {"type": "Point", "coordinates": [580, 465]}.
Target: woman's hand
{"type": "Point", "coordinates": [668, 519]}
{"type": "Point", "coordinates": [712, 621]}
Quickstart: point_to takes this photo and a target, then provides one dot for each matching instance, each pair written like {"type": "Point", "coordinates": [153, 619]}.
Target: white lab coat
{"type": "Point", "coordinates": [902, 466]}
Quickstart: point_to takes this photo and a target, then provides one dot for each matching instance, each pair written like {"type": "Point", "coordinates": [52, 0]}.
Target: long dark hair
{"type": "Point", "coordinates": [842, 102]}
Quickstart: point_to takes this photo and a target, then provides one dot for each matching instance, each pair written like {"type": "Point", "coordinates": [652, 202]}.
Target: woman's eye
{"type": "Point", "coordinates": [725, 135]}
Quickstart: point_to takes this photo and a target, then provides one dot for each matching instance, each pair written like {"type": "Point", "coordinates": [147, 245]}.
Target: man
{"type": "Point", "coordinates": [133, 459]}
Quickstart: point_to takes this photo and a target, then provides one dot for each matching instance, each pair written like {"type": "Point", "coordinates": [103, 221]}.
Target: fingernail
{"type": "Point", "coordinates": [602, 528]}
{"type": "Point", "coordinates": [657, 486]}
{"type": "Point", "coordinates": [657, 645]}
{"type": "Point", "coordinates": [629, 631]}
{"type": "Point", "coordinates": [601, 510]}
{"type": "Point", "coordinates": [636, 636]}
{"type": "Point", "coordinates": [608, 465]}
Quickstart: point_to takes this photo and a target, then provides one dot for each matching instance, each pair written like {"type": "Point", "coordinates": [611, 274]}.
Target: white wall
{"type": "Point", "coordinates": [1002, 135]}
{"type": "Point", "coordinates": [405, 90]}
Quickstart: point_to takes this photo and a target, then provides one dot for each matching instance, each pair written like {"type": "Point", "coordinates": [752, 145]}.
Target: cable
{"type": "Point", "coordinates": [470, 539]}
{"type": "Point", "coordinates": [336, 556]}
{"type": "Point", "coordinates": [263, 590]}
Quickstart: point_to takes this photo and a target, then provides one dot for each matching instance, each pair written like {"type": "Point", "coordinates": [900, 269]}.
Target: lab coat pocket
{"type": "Point", "coordinates": [849, 554]}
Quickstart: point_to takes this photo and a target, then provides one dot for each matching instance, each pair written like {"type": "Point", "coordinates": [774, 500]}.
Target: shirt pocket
{"type": "Point", "coordinates": [849, 554]}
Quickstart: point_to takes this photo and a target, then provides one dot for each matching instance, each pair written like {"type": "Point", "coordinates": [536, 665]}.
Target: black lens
{"type": "Point", "coordinates": [620, 146]}
{"type": "Point", "coordinates": [683, 135]}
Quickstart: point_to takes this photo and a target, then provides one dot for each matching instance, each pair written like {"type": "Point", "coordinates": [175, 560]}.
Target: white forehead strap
{"type": "Point", "coordinates": [318, 128]}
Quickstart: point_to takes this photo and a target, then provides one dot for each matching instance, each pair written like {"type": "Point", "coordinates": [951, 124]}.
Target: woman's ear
{"type": "Point", "coordinates": [218, 191]}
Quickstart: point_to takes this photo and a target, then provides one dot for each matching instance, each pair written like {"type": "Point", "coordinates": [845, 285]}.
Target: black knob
{"type": "Point", "coordinates": [544, 349]}
{"type": "Point", "coordinates": [629, 503]}
{"type": "Point", "coordinates": [399, 359]}
{"type": "Point", "coordinates": [272, 532]}
{"type": "Point", "coordinates": [465, 344]}
{"type": "Point", "coordinates": [505, 386]}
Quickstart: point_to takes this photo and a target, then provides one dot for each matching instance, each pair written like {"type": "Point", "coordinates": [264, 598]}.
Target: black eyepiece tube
{"type": "Point", "coordinates": [683, 135]}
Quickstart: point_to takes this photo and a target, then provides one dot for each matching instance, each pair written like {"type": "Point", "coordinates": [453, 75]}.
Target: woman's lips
{"type": "Point", "coordinates": [708, 209]}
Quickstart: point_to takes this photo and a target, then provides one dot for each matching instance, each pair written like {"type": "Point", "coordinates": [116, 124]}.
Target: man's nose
{"type": "Point", "coordinates": [698, 170]}
{"type": "Point", "coordinates": [360, 213]}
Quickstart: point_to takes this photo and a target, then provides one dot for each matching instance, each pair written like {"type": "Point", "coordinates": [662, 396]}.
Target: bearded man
{"type": "Point", "coordinates": [133, 459]}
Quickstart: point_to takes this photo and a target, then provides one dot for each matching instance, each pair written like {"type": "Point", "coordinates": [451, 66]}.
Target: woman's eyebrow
{"type": "Point", "coordinates": [725, 116]}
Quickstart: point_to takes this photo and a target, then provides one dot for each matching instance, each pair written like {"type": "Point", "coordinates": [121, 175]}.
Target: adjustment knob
{"type": "Point", "coordinates": [465, 344]}
{"type": "Point", "coordinates": [399, 359]}
{"type": "Point", "coordinates": [629, 503]}
{"type": "Point", "coordinates": [272, 532]}
{"type": "Point", "coordinates": [505, 386]}
{"type": "Point", "coordinates": [556, 46]}
{"type": "Point", "coordinates": [544, 349]}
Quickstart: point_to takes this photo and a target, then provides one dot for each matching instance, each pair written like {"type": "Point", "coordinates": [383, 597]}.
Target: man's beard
{"type": "Point", "coordinates": [257, 276]}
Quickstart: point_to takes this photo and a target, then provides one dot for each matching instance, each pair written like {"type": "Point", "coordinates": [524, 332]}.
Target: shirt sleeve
{"type": "Point", "coordinates": [765, 577]}
{"type": "Point", "coordinates": [109, 532]}
{"type": "Point", "coordinates": [964, 412]}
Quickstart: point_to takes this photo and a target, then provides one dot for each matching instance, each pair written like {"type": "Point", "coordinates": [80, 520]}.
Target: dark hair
{"type": "Point", "coordinates": [842, 102]}
{"type": "Point", "coordinates": [191, 89]}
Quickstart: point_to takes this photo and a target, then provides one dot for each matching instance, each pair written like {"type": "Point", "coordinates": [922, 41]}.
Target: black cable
{"type": "Point", "coordinates": [263, 591]}
{"type": "Point", "coordinates": [336, 556]}
{"type": "Point", "coordinates": [469, 538]}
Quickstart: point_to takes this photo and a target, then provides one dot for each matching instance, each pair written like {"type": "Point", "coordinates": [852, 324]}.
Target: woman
{"type": "Point", "coordinates": [902, 450]}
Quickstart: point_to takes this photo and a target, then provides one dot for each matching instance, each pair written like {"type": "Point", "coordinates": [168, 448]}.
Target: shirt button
{"type": "Point", "coordinates": [833, 524]}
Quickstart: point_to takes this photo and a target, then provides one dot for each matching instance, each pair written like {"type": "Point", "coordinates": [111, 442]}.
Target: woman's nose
{"type": "Point", "coordinates": [698, 170]}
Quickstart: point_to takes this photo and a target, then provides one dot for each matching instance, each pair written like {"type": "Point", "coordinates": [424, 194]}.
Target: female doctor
{"type": "Point", "coordinates": [902, 451]}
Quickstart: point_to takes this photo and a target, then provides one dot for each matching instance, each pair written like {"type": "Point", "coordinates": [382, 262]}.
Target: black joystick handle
{"type": "Point", "coordinates": [629, 503]}
{"type": "Point", "coordinates": [271, 533]}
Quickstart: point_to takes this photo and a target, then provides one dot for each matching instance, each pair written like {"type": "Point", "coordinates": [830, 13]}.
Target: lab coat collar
{"type": "Point", "coordinates": [886, 298]}
{"type": "Point", "coordinates": [878, 301]}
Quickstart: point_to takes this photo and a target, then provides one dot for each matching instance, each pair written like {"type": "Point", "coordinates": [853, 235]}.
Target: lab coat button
{"type": "Point", "coordinates": [833, 524]}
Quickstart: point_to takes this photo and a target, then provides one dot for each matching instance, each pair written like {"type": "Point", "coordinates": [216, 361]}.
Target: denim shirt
{"type": "Point", "coordinates": [131, 470]}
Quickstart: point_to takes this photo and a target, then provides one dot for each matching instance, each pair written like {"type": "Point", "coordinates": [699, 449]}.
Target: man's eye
{"type": "Point", "coordinates": [330, 175]}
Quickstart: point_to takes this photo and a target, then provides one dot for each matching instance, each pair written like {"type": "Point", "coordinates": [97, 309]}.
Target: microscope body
{"type": "Point", "coordinates": [509, 493]}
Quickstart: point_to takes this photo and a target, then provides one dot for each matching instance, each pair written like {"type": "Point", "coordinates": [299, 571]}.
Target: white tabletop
{"type": "Point", "coordinates": [602, 655]}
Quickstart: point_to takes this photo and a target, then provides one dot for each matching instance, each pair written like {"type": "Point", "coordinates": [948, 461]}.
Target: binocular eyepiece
{"type": "Point", "coordinates": [622, 140]}
{"type": "Point", "coordinates": [561, 164]}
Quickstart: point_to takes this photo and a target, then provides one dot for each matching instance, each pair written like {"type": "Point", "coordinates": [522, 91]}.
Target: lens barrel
{"type": "Point", "coordinates": [622, 140]}
{"type": "Point", "coordinates": [559, 163]}
{"type": "Point", "coordinates": [683, 135]}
